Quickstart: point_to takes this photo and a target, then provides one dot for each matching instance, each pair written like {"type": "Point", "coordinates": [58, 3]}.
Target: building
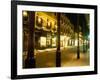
{"type": "Point", "coordinates": [46, 30]}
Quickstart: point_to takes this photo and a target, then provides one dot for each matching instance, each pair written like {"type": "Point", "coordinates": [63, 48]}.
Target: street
{"type": "Point", "coordinates": [47, 58]}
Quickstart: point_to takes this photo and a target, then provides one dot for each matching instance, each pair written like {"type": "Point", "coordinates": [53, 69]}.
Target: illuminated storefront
{"type": "Point", "coordinates": [45, 30]}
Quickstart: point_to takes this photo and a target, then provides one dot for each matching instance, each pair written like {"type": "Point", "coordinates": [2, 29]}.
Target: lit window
{"type": "Point", "coordinates": [39, 20]}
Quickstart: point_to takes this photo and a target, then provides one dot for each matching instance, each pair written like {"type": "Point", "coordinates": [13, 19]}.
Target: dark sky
{"type": "Point", "coordinates": [82, 21]}
{"type": "Point", "coordinates": [73, 18]}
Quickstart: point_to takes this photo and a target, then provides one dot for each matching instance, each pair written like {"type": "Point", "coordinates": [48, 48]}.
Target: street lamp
{"type": "Point", "coordinates": [25, 14]}
{"type": "Point", "coordinates": [58, 53]}
{"type": "Point", "coordinates": [78, 48]}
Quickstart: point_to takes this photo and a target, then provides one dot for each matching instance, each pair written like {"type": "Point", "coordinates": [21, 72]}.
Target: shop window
{"type": "Point", "coordinates": [43, 41]}
{"type": "Point", "coordinates": [49, 37]}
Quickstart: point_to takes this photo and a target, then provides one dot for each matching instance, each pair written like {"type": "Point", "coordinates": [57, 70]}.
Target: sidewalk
{"type": "Point", "coordinates": [47, 58]}
{"type": "Point", "coordinates": [68, 58]}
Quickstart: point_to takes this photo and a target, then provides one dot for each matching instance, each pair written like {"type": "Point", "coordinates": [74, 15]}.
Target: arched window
{"type": "Point", "coordinates": [49, 24]}
{"type": "Point", "coordinates": [39, 21]}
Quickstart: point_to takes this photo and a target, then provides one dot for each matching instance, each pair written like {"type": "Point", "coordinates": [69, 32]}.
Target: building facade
{"type": "Point", "coordinates": [46, 31]}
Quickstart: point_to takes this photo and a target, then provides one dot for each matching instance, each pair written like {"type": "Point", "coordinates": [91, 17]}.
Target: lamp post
{"type": "Point", "coordinates": [58, 53]}
{"type": "Point", "coordinates": [78, 48]}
